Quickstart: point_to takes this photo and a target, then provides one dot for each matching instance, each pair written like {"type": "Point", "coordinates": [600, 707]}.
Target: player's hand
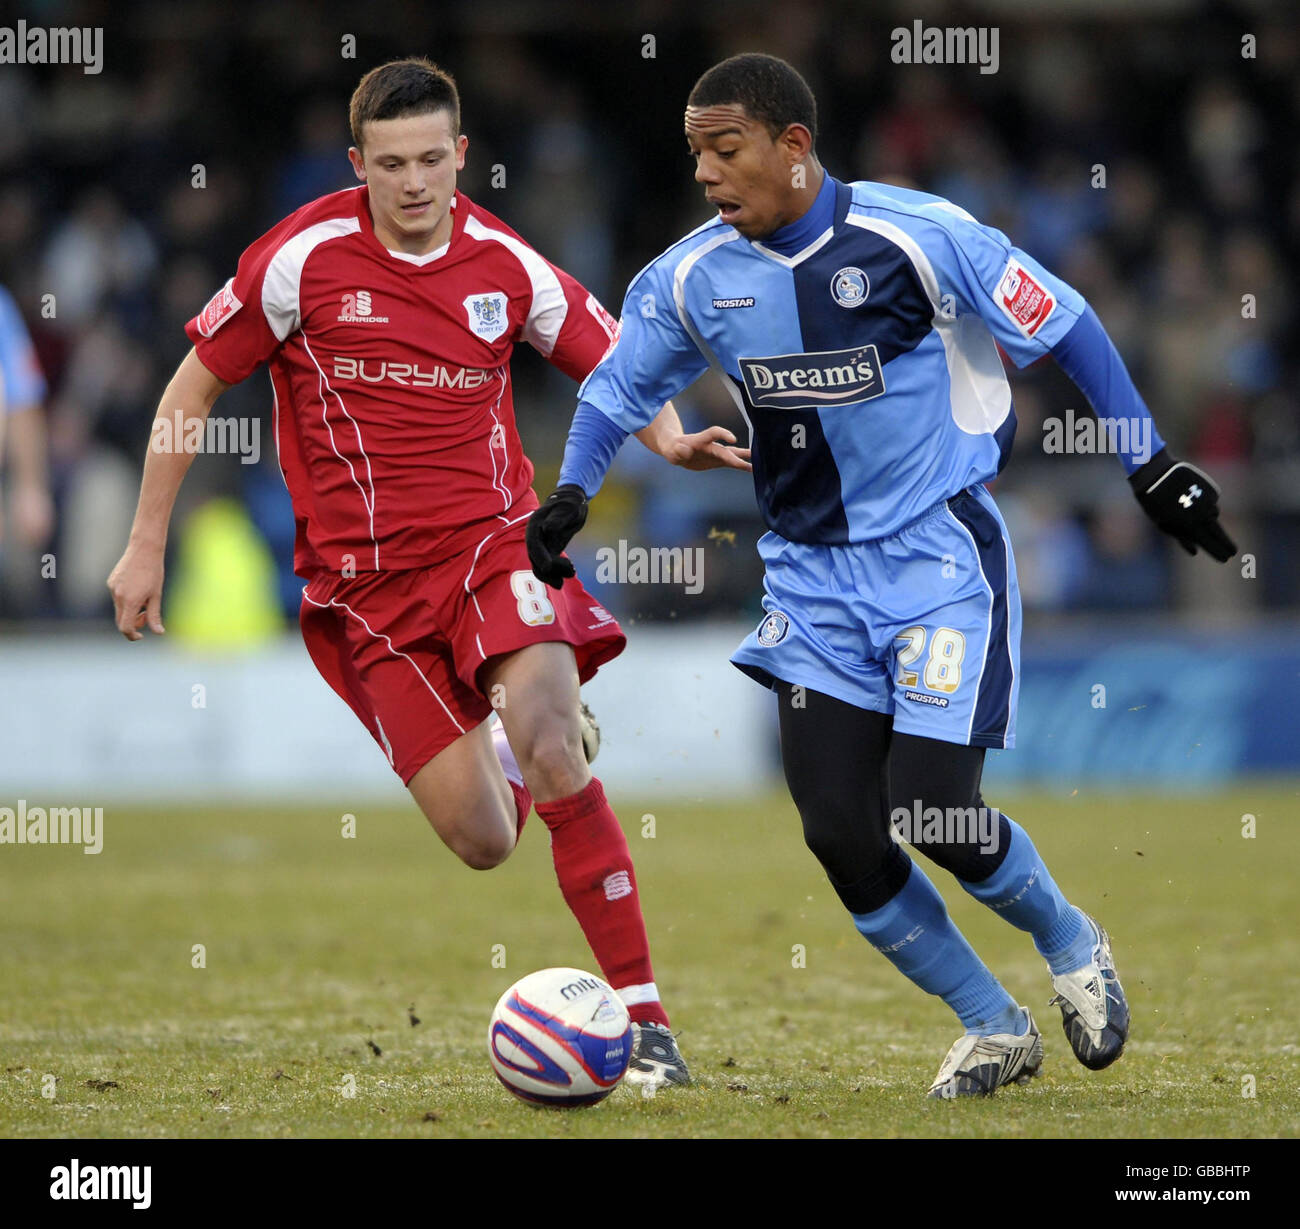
{"type": "Point", "coordinates": [136, 585]}
{"type": "Point", "coordinates": [1184, 502]}
{"type": "Point", "coordinates": [550, 530]}
{"type": "Point", "coordinates": [713, 448]}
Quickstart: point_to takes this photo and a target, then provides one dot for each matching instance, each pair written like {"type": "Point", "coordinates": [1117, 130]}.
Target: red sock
{"type": "Point", "coordinates": [523, 804]}
{"type": "Point", "coordinates": [594, 868]}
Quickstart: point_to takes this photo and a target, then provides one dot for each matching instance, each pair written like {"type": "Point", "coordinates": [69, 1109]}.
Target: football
{"type": "Point", "coordinates": [560, 1037]}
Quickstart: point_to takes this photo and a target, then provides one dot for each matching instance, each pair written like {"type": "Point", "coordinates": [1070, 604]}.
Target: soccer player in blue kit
{"type": "Point", "coordinates": [856, 325]}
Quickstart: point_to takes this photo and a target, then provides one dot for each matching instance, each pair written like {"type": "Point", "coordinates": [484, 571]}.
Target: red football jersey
{"type": "Point", "coordinates": [394, 420]}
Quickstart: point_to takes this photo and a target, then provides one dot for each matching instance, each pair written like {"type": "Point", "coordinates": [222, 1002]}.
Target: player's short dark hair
{"type": "Point", "coordinates": [769, 89]}
{"type": "Point", "coordinates": [413, 86]}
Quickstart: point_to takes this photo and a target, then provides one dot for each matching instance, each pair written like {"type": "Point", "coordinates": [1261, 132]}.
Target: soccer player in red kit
{"type": "Point", "coordinates": [387, 315]}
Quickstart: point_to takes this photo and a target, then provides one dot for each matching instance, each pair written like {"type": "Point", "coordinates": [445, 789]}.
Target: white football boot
{"type": "Point", "coordinates": [1094, 1010]}
{"type": "Point", "coordinates": [977, 1065]}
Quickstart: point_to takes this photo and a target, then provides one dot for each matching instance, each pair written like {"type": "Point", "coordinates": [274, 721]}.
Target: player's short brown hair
{"type": "Point", "coordinates": [413, 86]}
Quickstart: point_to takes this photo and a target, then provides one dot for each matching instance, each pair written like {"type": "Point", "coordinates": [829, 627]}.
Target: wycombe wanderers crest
{"type": "Point", "coordinates": [772, 629]}
{"type": "Point", "coordinates": [849, 287]}
{"type": "Point", "coordinates": [487, 314]}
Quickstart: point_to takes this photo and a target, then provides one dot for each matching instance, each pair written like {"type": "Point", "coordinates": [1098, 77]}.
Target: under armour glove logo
{"type": "Point", "coordinates": [1191, 516]}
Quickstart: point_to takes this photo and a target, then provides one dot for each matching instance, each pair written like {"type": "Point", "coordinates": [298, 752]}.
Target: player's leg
{"type": "Point", "coordinates": [370, 640]}
{"type": "Point", "coordinates": [468, 801]}
{"type": "Point", "coordinates": [536, 694]}
{"type": "Point", "coordinates": [537, 691]}
{"type": "Point", "coordinates": [1008, 874]}
{"type": "Point", "coordinates": [954, 674]}
{"type": "Point", "coordinates": [506, 757]}
{"type": "Point", "coordinates": [994, 859]}
{"type": "Point", "coordinates": [830, 626]}
{"type": "Point", "coordinates": [835, 755]}
{"type": "Point", "coordinates": [835, 737]}
{"type": "Point", "coordinates": [989, 854]}
{"type": "Point", "coordinates": [528, 648]}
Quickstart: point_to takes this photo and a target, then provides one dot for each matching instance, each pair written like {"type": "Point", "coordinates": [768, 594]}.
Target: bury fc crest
{"type": "Point", "coordinates": [487, 314]}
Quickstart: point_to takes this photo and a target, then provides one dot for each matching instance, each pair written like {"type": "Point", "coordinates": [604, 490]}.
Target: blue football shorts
{"type": "Point", "coordinates": [923, 624]}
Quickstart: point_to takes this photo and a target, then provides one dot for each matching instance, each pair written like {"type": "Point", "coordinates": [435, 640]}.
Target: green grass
{"type": "Point", "coordinates": [318, 946]}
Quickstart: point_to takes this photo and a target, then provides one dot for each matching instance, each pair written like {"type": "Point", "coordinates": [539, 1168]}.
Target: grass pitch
{"type": "Point", "coordinates": [346, 983]}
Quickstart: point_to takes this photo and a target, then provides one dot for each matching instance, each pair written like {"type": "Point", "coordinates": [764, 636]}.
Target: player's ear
{"type": "Point", "coordinates": [462, 144]}
{"type": "Point", "coordinates": [797, 141]}
{"type": "Point", "coordinates": [358, 162]}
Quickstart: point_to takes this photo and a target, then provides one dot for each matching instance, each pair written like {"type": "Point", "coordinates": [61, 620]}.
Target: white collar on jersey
{"type": "Point", "coordinates": [428, 257]}
{"type": "Point", "coordinates": [801, 255]}
{"type": "Point", "coordinates": [421, 260]}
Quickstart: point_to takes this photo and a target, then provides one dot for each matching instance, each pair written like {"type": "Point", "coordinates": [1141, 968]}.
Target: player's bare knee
{"type": "Point", "coordinates": [488, 845]}
{"type": "Point", "coordinates": [552, 763]}
{"type": "Point", "coordinates": [483, 856]}
{"type": "Point", "coordinates": [482, 836]}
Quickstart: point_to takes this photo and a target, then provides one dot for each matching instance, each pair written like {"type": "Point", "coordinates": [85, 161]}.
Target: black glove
{"type": "Point", "coordinates": [1184, 502]}
{"type": "Point", "coordinates": [550, 529]}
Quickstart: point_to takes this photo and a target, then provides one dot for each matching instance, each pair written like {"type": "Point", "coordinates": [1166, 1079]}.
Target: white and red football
{"type": "Point", "coordinates": [560, 1037]}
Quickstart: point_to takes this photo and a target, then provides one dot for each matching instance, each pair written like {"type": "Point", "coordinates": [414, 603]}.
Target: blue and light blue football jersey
{"type": "Point", "coordinates": [865, 364]}
{"type": "Point", "coordinates": [867, 367]}
{"type": "Point", "coordinates": [24, 385]}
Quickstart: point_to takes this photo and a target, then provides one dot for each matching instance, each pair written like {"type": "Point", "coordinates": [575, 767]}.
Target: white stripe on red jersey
{"type": "Point", "coordinates": [395, 422]}
{"type": "Point", "coordinates": [281, 287]}
{"type": "Point", "coordinates": [549, 307]}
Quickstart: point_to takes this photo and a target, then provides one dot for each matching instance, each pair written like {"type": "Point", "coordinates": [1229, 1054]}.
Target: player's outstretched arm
{"type": "Point", "coordinates": [593, 442]}
{"type": "Point", "coordinates": [136, 582]}
{"type": "Point", "coordinates": [1181, 499]}
{"type": "Point", "coordinates": [1031, 312]}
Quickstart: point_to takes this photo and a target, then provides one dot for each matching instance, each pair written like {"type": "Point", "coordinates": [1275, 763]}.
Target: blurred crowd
{"type": "Point", "coordinates": [1149, 161]}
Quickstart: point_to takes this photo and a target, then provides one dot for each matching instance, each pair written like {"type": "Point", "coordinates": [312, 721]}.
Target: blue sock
{"type": "Point", "coordinates": [915, 934]}
{"type": "Point", "coordinates": [1022, 891]}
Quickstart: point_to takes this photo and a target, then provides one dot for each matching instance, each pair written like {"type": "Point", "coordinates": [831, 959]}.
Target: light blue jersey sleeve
{"type": "Point", "coordinates": [654, 358]}
{"type": "Point", "coordinates": [1026, 308]}
{"type": "Point", "coordinates": [23, 382]}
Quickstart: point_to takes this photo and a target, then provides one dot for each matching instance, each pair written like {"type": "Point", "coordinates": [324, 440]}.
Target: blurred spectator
{"type": "Point", "coordinates": [26, 508]}
{"type": "Point", "coordinates": [319, 164]}
{"type": "Point", "coordinates": [95, 254]}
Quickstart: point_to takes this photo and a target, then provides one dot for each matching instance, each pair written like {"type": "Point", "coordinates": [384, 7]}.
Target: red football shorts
{"type": "Point", "coordinates": [404, 648]}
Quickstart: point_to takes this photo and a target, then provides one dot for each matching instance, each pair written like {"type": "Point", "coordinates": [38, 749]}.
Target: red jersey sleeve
{"type": "Point", "coordinates": [583, 331]}
{"type": "Point", "coordinates": [232, 335]}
